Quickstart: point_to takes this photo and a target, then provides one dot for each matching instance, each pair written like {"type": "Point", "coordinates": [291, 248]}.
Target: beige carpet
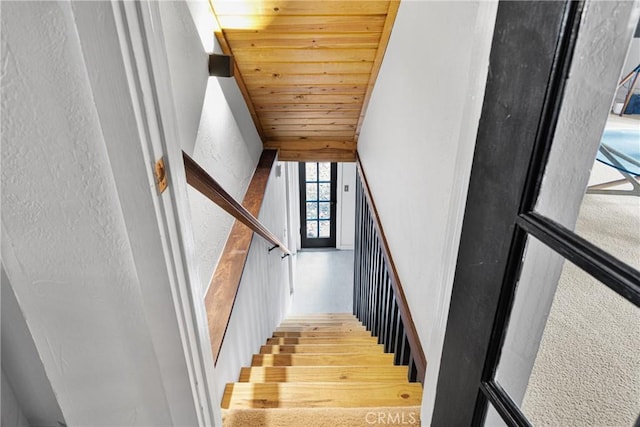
{"type": "Point", "coordinates": [322, 417]}
{"type": "Point", "coordinates": [587, 372]}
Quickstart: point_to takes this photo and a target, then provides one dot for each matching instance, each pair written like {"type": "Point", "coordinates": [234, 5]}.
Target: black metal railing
{"type": "Point", "coordinates": [378, 299]}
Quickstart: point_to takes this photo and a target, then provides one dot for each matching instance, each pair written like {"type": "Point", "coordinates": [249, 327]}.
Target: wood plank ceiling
{"type": "Point", "coordinates": [306, 69]}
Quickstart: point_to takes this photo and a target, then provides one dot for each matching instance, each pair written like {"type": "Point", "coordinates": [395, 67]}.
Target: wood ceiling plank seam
{"type": "Point", "coordinates": [303, 55]}
{"type": "Point", "coordinates": [305, 79]}
{"type": "Point", "coordinates": [310, 127]}
{"type": "Point", "coordinates": [321, 114]}
{"type": "Point", "coordinates": [307, 99]}
{"type": "Point", "coordinates": [307, 121]}
{"type": "Point", "coordinates": [254, 39]}
{"type": "Point", "coordinates": [318, 109]}
{"type": "Point", "coordinates": [311, 90]}
{"type": "Point", "coordinates": [306, 142]}
{"type": "Point", "coordinates": [310, 132]}
{"type": "Point", "coordinates": [279, 8]}
{"type": "Point", "coordinates": [264, 69]}
{"type": "Point", "coordinates": [309, 135]}
{"type": "Point", "coordinates": [392, 12]}
{"type": "Point", "coordinates": [305, 24]}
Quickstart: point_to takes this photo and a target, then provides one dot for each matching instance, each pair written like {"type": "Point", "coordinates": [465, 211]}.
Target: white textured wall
{"type": "Point", "coordinates": [65, 243]}
{"type": "Point", "coordinates": [23, 375]}
{"type": "Point", "coordinates": [11, 414]}
{"type": "Point", "coordinates": [231, 160]}
{"type": "Point", "coordinates": [215, 126]}
{"type": "Point", "coordinates": [188, 68]}
{"type": "Point", "coordinates": [416, 147]}
{"type": "Point", "coordinates": [263, 297]}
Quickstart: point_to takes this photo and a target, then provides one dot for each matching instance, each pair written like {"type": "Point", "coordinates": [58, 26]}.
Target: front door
{"type": "Point", "coordinates": [318, 204]}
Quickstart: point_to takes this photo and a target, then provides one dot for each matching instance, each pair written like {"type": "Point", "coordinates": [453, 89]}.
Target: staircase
{"type": "Point", "coordinates": [322, 370]}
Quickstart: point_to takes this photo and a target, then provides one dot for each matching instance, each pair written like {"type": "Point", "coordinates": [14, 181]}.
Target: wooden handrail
{"type": "Point", "coordinates": [405, 314]}
{"type": "Point", "coordinates": [221, 294]}
{"type": "Point", "coordinates": [199, 179]}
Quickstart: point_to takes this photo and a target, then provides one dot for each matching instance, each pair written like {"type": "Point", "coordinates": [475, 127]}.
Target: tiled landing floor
{"type": "Point", "coordinates": [324, 282]}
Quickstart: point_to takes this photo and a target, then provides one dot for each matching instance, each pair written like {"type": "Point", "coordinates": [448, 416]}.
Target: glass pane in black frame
{"type": "Point", "coordinates": [324, 192]}
{"type": "Point", "coordinates": [312, 210]}
{"type": "Point", "coordinates": [325, 229]}
{"type": "Point", "coordinates": [325, 210]}
{"type": "Point", "coordinates": [312, 191]}
{"type": "Point", "coordinates": [311, 171]}
{"type": "Point", "coordinates": [312, 229]}
{"type": "Point", "coordinates": [324, 171]}
{"type": "Point", "coordinates": [568, 355]}
{"type": "Point", "coordinates": [493, 418]}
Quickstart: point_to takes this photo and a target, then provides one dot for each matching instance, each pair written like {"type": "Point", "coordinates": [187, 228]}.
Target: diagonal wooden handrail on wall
{"type": "Point", "coordinates": [199, 179]}
{"type": "Point", "coordinates": [417, 351]}
{"type": "Point", "coordinates": [225, 282]}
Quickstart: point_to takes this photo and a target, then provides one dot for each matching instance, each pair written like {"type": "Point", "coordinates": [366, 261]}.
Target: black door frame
{"type": "Point", "coordinates": [329, 242]}
{"type": "Point", "coordinates": [529, 63]}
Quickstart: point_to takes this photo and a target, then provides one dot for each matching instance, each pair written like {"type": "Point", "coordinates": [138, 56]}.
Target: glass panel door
{"type": "Point", "coordinates": [318, 190]}
{"type": "Point", "coordinates": [564, 348]}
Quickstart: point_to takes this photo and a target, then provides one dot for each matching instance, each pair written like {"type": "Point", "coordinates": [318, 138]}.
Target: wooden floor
{"type": "Point", "coordinates": [322, 361]}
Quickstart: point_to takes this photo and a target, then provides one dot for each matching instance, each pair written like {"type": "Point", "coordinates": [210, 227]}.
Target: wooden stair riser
{"type": "Point", "coordinates": [321, 334]}
{"type": "Point", "coordinates": [320, 340]}
{"type": "Point", "coordinates": [324, 359]}
{"type": "Point", "coordinates": [322, 323]}
{"type": "Point", "coordinates": [318, 395]}
{"type": "Point", "coordinates": [298, 374]}
{"type": "Point", "coordinates": [322, 348]}
{"type": "Point", "coordinates": [322, 316]}
{"type": "Point", "coordinates": [315, 362]}
{"type": "Point", "coordinates": [315, 328]}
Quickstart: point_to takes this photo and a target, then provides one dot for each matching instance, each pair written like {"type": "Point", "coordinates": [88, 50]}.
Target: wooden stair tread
{"type": "Point", "coordinates": [322, 348]}
{"type": "Point", "coordinates": [318, 362]}
{"type": "Point", "coordinates": [321, 315]}
{"type": "Point", "coordinates": [324, 323]}
{"type": "Point", "coordinates": [323, 359]}
{"type": "Point", "coordinates": [337, 334]}
{"type": "Point", "coordinates": [318, 317]}
{"type": "Point", "coordinates": [262, 374]}
{"type": "Point", "coordinates": [321, 394]}
{"type": "Point", "coordinates": [320, 328]}
{"type": "Point", "coordinates": [322, 417]}
{"type": "Point", "coordinates": [322, 340]}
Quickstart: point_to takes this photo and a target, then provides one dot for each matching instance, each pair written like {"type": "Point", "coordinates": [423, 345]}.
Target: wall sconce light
{"type": "Point", "coordinates": [220, 65]}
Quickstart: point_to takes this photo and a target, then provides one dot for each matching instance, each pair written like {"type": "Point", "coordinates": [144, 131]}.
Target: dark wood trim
{"type": "Point", "coordinates": [306, 150]}
{"type": "Point", "coordinates": [199, 179]}
{"type": "Point", "coordinates": [225, 282]}
{"type": "Point", "coordinates": [522, 63]}
{"type": "Point", "coordinates": [409, 326]}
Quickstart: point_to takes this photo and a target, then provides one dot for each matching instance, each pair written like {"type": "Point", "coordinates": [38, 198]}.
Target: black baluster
{"type": "Point", "coordinates": [389, 348]}
{"type": "Point", "coordinates": [397, 346]}
{"type": "Point", "coordinates": [413, 371]}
